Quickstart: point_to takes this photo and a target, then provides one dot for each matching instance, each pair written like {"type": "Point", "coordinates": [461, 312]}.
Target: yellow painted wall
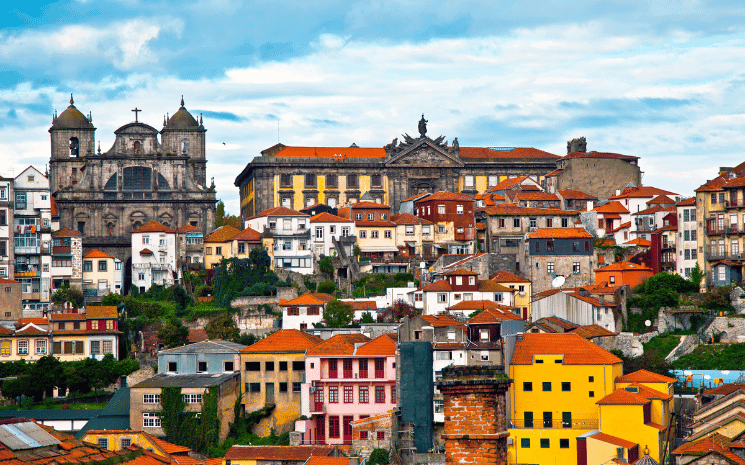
{"type": "Point", "coordinates": [627, 422]}
{"type": "Point", "coordinates": [212, 259]}
{"type": "Point", "coordinates": [381, 240]}
{"type": "Point", "coordinates": [115, 440]}
{"type": "Point", "coordinates": [90, 278]}
{"type": "Point", "coordinates": [239, 462]}
{"type": "Point", "coordinates": [544, 456]}
{"type": "Point", "coordinates": [78, 337]}
{"type": "Point", "coordinates": [667, 388]}
{"type": "Point", "coordinates": [522, 300]}
{"type": "Point", "coordinates": [603, 452]}
{"type": "Point", "coordinates": [31, 356]}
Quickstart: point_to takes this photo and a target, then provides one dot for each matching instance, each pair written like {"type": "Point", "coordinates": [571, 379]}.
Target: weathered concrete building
{"type": "Point", "coordinates": [297, 177]}
{"type": "Point", "coordinates": [139, 179]}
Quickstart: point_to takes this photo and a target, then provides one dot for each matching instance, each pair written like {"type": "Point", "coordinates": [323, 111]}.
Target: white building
{"type": "Point", "coordinates": [687, 249]}
{"type": "Point", "coordinates": [291, 233]}
{"type": "Point", "coordinates": [6, 227]}
{"type": "Point", "coordinates": [324, 229]}
{"type": "Point", "coordinates": [304, 311]}
{"type": "Point", "coordinates": [569, 305]}
{"type": "Point", "coordinates": [32, 217]}
{"type": "Point", "coordinates": [153, 256]}
{"type": "Point", "coordinates": [67, 257]}
{"type": "Point", "coordinates": [458, 286]}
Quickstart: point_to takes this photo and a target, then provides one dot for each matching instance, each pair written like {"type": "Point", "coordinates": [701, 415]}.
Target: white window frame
{"type": "Point", "coordinates": [150, 420]}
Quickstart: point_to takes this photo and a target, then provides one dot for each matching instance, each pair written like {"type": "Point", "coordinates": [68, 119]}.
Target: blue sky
{"type": "Point", "coordinates": [661, 80]}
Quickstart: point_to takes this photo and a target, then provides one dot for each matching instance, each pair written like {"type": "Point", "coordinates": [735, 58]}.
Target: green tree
{"type": "Point", "coordinates": [326, 265]}
{"type": "Point", "coordinates": [379, 457]}
{"type": "Point", "coordinates": [219, 214]}
{"type": "Point", "coordinates": [222, 326]}
{"type": "Point", "coordinates": [697, 274]}
{"type": "Point", "coordinates": [326, 287]}
{"type": "Point", "coordinates": [181, 297]}
{"type": "Point", "coordinates": [236, 277]}
{"type": "Point", "coordinates": [246, 339]}
{"type": "Point", "coordinates": [367, 318]}
{"type": "Point", "coordinates": [66, 294]}
{"type": "Point", "coordinates": [173, 333]}
{"type": "Point", "coordinates": [173, 406]}
{"type": "Point", "coordinates": [338, 314]}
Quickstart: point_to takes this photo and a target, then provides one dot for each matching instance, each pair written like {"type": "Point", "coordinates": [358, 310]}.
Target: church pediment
{"type": "Point", "coordinates": [425, 152]}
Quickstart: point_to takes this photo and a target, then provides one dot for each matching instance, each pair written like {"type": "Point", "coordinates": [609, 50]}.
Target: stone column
{"type": "Point", "coordinates": [475, 414]}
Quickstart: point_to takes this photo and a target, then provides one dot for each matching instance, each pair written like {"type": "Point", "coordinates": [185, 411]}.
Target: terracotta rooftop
{"type": "Point", "coordinates": [493, 286]}
{"type": "Point", "coordinates": [661, 200]}
{"type": "Point", "coordinates": [383, 345]}
{"type": "Point", "coordinates": [562, 323]}
{"type": "Point", "coordinates": [624, 266]}
{"type": "Point", "coordinates": [95, 312]}
{"type": "Point", "coordinates": [314, 298]}
{"type": "Point", "coordinates": [222, 234]}
{"type": "Point", "coordinates": [318, 460]}
{"type": "Point", "coordinates": [611, 207]}
{"type": "Point", "coordinates": [569, 233]}
{"type": "Point", "coordinates": [507, 277]}
{"type": "Point", "coordinates": [509, 183]}
{"type": "Point", "coordinates": [460, 272]}
{"type": "Point", "coordinates": [491, 312]}
{"type": "Point", "coordinates": [340, 344]}
{"type": "Point", "coordinates": [95, 253]}
{"type": "Point", "coordinates": [689, 202]}
{"type": "Point", "coordinates": [505, 152]}
{"type": "Point", "coordinates": [514, 210]}
{"type": "Point", "coordinates": [575, 194]}
{"type": "Point", "coordinates": [146, 252]}
{"type": "Point", "coordinates": [446, 195]}
{"type": "Point", "coordinates": [641, 192]}
{"type": "Point", "coordinates": [440, 320]}
{"type": "Point", "coordinates": [537, 196]}
{"type": "Point", "coordinates": [153, 226]}
{"type": "Point", "coordinates": [276, 453]}
{"type": "Point", "coordinates": [724, 389]}
{"type": "Point", "coordinates": [613, 440]}
{"type": "Point", "coordinates": [408, 219]}
{"type": "Point", "coordinates": [575, 349]}
{"type": "Point", "coordinates": [591, 331]}
{"type": "Point", "coordinates": [284, 341]}
{"type": "Point", "coordinates": [639, 241]}
{"type": "Point", "coordinates": [67, 316]}
{"type": "Point", "coordinates": [368, 204]}
{"type": "Point", "coordinates": [249, 235]}
{"type": "Point", "coordinates": [197, 335]}
{"type": "Point", "coordinates": [280, 211]}
{"type": "Point", "coordinates": [188, 228]}
{"type": "Point", "coordinates": [645, 376]}
{"type": "Point", "coordinates": [66, 232]}
{"type": "Point", "coordinates": [329, 218]}
{"type": "Point", "coordinates": [438, 286]}
{"type": "Point", "coordinates": [363, 305]}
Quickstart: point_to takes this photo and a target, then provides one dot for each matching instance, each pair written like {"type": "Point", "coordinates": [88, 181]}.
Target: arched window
{"type": "Point", "coordinates": [74, 147]}
{"type": "Point", "coordinates": [184, 146]}
{"type": "Point", "coordinates": [137, 225]}
{"type": "Point", "coordinates": [137, 178]}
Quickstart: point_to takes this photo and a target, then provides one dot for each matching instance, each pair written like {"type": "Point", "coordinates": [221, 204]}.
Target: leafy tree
{"type": "Point", "coordinates": [338, 314]}
{"type": "Point", "coordinates": [400, 309]}
{"type": "Point", "coordinates": [246, 339]}
{"type": "Point", "coordinates": [367, 318]}
{"type": "Point", "coordinates": [326, 287]}
{"type": "Point", "coordinates": [112, 299]}
{"type": "Point", "coordinates": [66, 294]}
{"type": "Point", "coordinates": [326, 265]}
{"type": "Point", "coordinates": [236, 277]}
{"type": "Point", "coordinates": [379, 457]}
{"type": "Point", "coordinates": [224, 219]}
{"type": "Point", "coordinates": [697, 274]}
{"type": "Point", "coordinates": [173, 333]}
{"type": "Point", "coordinates": [718, 298]}
{"type": "Point", "coordinates": [222, 327]}
{"type": "Point", "coordinates": [181, 298]}
{"type": "Point", "coordinates": [173, 406]}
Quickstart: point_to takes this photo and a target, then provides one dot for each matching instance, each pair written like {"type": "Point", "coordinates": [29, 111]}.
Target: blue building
{"type": "Point", "coordinates": [210, 357]}
{"type": "Point", "coordinates": [724, 273]}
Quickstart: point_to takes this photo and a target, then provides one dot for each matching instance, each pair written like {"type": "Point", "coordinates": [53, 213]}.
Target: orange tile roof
{"type": "Point", "coordinates": [95, 253]}
{"type": "Point", "coordinates": [409, 219]}
{"type": "Point", "coordinates": [715, 442]}
{"type": "Point", "coordinates": [613, 440]}
{"type": "Point", "coordinates": [641, 192]}
{"type": "Point", "coordinates": [460, 272]}
{"type": "Point", "coordinates": [514, 210]}
{"type": "Point", "coordinates": [492, 312]}
{"type": "Point", "coordinates": [340, 344]}
{"type": "Point", "coordinates": [655, 209]}
{"type": "Point", "coordinates": [276, 453]}
{"type": "Point", "coordinates": [280, 211]}
{"type": "Point", "coordinates": [284, 341]}
{"type": "Point", "coordinates": [575, 349]}
{"type": "Point", "coordinates": [562, 323]}
{"type": "Point", "coordinates": [368, 204]}
{"type": "Point", "coordinates": [66, 232]}
{"type": "Point", "coordinates": [187, 228]}
{"type": "Point", "coordinates": [715, 184]}
{"type": "Point", "coordinates": [96, 312]}
{"type": "Point", "coordinates": [571, 233]}
{"type": "Point", "coordinates": [622, 396]}
{"type": "Point", "coordinates": [725, 389]}
{"type": "Point", "coordinates": [645, 376]}
{"type": "Point", "coordinates": [575, 194]}
{"type": "Point", "coordinates": [37, 321]}
{"type": "Point", "coordinates": [440, 320]}
{"type": "Point", "coordinates": [326, 217]}
{"type": "Point", "coordinates": [505, 152]}
{"type": "Point", "coordinates": [591, 331]}
{"type": "Point", "coordinates": [661, 200]}
{"type": "Point", "coordinates": [222, 234]}
{"type": "Point", "coordinates": [369, 224]}
{"type": "Point", "coordinates": [507, 277]}
{"type": "Point", "coordinates": [383, 345]}
{"type": "Point", "coordinates": [153, 226]}
{"type": "Point", "coordinates": [317, 460]}
{"type": "Point", "coordinates": [249, 235]}
{"type": "Point", "coordinates": [509, 183]}
{"type": "Point", "coordinates": [446, 195]}
{"type": "Point", "coordinates": [168, 447]}
{"type": "Point", "coordinates": [593, 154]}
{"type": "Point", "coordinates": [639, 241]}
{"type": "Point", "coordinates": [464, 260]}
{"type": "Point", "coordinates": [330, 152]}
{"type": "Point", "coordinates": [554, 172]}
{"type": "Point", "coordinates": [493, 286]}
{"type": "Point", "coordinates": [146, 252]}
{"type": "Point", "coordinates": [689, 202]}
{"type": "Point", "coordinates": [611, 207]}
{"type": "Point", "coordinates": [438, 286]}
{"type": "Point", "coordinates": [624, 266]}
{"type": "Point", "coordinates": [538, 196]}
{"type": "Point", "coordinates": [311, 298]}
{"type": "Point", "coordinates": [8, 281]}
{"type": "Point", "coordinates": [67, 316]}
{"type": "Point", "coordinates": [363, 305]}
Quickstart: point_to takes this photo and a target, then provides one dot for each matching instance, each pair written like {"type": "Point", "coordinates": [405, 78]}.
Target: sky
{"type": "Point", "coordinates": [662, 80]}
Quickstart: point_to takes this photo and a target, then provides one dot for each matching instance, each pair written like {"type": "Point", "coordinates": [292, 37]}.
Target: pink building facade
{"type": "Point", "coordinates": [348, 377]}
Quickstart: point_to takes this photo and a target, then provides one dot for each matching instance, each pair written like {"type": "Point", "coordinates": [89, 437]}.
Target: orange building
{"type": "Point", "coordinates": [622, 273]}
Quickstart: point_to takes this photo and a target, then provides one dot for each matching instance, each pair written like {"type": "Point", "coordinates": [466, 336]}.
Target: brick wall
{"type": "Point", "coordinates": [475, 414]}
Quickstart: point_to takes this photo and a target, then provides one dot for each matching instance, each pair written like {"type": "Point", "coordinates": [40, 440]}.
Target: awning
{"type": "Point", "coordinates": [438, 246]}
{"type": "Point", "coordinates": [378, 248]}
{"type": "Point", "coordinates": [410, 243]}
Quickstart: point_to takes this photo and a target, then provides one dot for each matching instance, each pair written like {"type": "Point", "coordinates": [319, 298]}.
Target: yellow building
{"type": "Point", "coordinates": [102, 274]}
{"type": "Point", "coordinates": [522, 287]}
{"type": "Point", "coordinates": [29, 342]}
{"type": "Point", "coordinates": [119, 439]}
{"type": "Point", "coordinates": [219, 245]}
{"type": "Point", "coordinates": [272, 371]}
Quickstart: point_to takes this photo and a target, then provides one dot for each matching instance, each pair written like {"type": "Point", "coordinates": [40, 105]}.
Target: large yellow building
{"type": "Point", "coordinates": [571, 404]}
{"type": "Point", "coordinates": [272, 371]}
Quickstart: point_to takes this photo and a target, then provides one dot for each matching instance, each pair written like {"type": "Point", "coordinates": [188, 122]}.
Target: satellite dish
{"type": "Point", "coordinates": [558, 281]}
{"type": "Point", "coordinates": [647, 323]}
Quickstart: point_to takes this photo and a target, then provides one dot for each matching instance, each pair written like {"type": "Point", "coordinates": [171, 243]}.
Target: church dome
{"type": "Point", "coordinates": [182, 119]}
{"type": "Point", "coordinates": [71, 118]}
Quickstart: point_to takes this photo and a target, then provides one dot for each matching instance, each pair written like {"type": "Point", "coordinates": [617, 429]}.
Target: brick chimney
{"type": "Point", "coordinates": [475, 414]}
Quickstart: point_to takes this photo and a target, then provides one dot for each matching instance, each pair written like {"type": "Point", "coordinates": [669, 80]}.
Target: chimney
{"type": "Point", "coordinates": [618, 191]}
{"type": "Point", "coordinates": [590, 205]}
{"type": "Point", "coordinates": [475, 438]}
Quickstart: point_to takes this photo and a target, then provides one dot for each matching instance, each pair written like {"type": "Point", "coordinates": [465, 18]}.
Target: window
{"type": "Point", "coordinates": [545, 443]}
{"type": "Point", "coordinates": [345, 231]}
{"type": "Point", "coordinates": [334, 394]}
{"type": "Point", "coordinates": [376, 181]}
{"type": "Point", "coordinates": [528, 419]}
{"type": "Point", "coordinates": [192, 398]}
{"type": "Point", "coordinates": [566, 419]}
{"type": "Point", "coordinates": [566, 386]}
{"type": "Point", "coordinates": [387, 234]}
{"type": "Point", "coordinates": [374, 234]}
{"type": "Point", "coordinates": [20, 200]}
{"type": "Point", "coordinates": [441, 229]}
{"type": "Point", "coordinates": [548, 419]}
{"type": "Point", "coordinates": [575, 268]}
{"type": "Point", "coordinates": [546, 386]}
{"type": "Point", "coordinates": [592, 393]}
{"type": "Point", "coordinates": [379, 367]}
{"type": "Point", "coordinates": [102, 265]}
{"type": "Point", "coordinates": [364, 395]}
{"type": "Point", "coordinates": [201, 366]}
{"type": "Point", "coordinates": [550, 268]}
{"type": "Point", "coordinates": [393, 394]}
{"type": "Point", "coordinates": [381, 435]}
{"type": "Point", "coordinates": [379, 394]}
{"type": "Point", "coordinates": [527, 386]}
{"type": "Point", "coordinates": [282, 387]}
{"type": "Point", "coordinates": [459, 209]}
{"type": "Point", "coordinates": [41, 346]}
{"type": "Point", "coordinates": [564, 222]}
{"type": "Point", "coordinates": [126, 442]}
{"type": "Point", "coordinates": [254, 387]}
{"type": "Point", "coordinates": [22, 347]}
{"type": "Point", "coordinates": [334, 427]}
{"type": "Point", "coordinates": [103, 443]}
{"type": "Point", "coordinates": [515, 222]}
{"type": "Point", "coordinates": [525, 443]}
{"type": "Point", "coordinates": [484, 334]}
{"type": "Point", "coordinates": [95, 347]}
{"type": "Point", "coordinates": [150, 420]}
{"type": "Point", "coordinates": [441, 298]}
{"type": "Point", "coordinates": [310, 181]}
{"type": "Point", "coordinates": [348, 394]}
{"type": "Point", "coordinates": [296, 387]}
{"type": "Point", "coordinates": [88, 265]}
{"type": "Point", "coordinates": [468, 181]}
{"type": "Point", "coordinates": [285, 180]}
{"type": "Point", "coordinates": [536, 246]}
{"type": "Point", "coordinates": [363, 435]}
{"type": "Point", "coordinates": [425, 230]}
{"type": "Point", "coordinates": [363, 234]}
{"type": "Point", "coordinates": [353, 182]}
{"type": "Point", "coordinates": [441, 209]}
{"type": "Point", "coordinates": [591, 379]}
{"type": "Point", "coordinates": [549, 222]}
{"type": "Point", "coordinates": [563, 443]}
{"type": "Point", "coordinates": [5, 348]}
{"type": "Point", "coordinates": [172, 367]}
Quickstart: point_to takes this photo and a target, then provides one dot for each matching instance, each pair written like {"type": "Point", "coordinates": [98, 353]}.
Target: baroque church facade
{"type": "Point", "coordinates": [106, 195]}
{"type": "Point", "coordinates": [297, 177]}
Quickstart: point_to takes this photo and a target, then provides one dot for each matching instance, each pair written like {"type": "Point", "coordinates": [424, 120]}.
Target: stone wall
{"type": "Point", "coordinates": [629, 344]}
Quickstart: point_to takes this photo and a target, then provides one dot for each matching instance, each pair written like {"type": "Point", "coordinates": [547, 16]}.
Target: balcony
{"type": "Point", "coordinates": [555, 424]}
{"type": "Point", "coordinates": [713, 254]}
{"type": "Point", "coordinates": [317, 407]}
{"type": "Point", "coordinates": [61, 250]}
{"type": "Point", "coordinates": [717, 229]}
{"type": "Point", "coordinates": [733, 204]}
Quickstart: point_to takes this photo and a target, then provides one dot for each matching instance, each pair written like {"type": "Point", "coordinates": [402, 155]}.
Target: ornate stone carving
{"type": "Point", "coordinates": [423, 126]}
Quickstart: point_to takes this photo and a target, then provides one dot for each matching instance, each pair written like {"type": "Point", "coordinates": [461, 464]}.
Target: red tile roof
{"type": "Point", "coordinates": [611, 207]}
{"type": "Point", "coordinates": [8, 281]}
{"type": "Point", "coordinates": [575, 194]}
{"type": "Point", "coordinates": [510, 183]}
{"type": "Point", "coordinates": [560, 233]}
{"type": "Point", "coordinates": [97, 312]}
{"type": "Point", "coordinates": [409, 219]}
{"type": "Point", "coordinates": [95, 253]}
{"type": "Point", "coordinates": [326, 217]}
{"type": "Point", "coordinates": [493, 286]}
{"type": "Point", "coordinates": [445, 195]}
{"type": "Point", "coordinates": [491, 312]}
{"type": "Point", "coordinates": [641, 192]}
{"type": "Point", "coordinates": [222, 234]}
{"type": "Point", "coordinates": [153, 226]}
{"type": "Point", "coordinates": [562, 323]}
{"type": "Point", "coordinates": [284, 341]}
{"type": "Point", "coordinates": [369, 224]}
{"type": "Point", "coordinates": [317, 460]}
{"type": "Point", "coordinates": [575, 349]}
{"type": "Point", "coordinates": [689, 202]}
{"type": "Point", "coordinates": [248, 235]}
{"type": "Point", "coordinates": [507, 277]}
{"type": "Point", "coordinates": [383, 345]}
{"type": "Point", "coordinates": [460, 272]}
{"type": "Point", "coordinates": [593, 154]}
{"type": "Point", "coordinates": [538, 196]}
{"type": "Point", "coordinates": [368, 204]}
{"type": "Point", "coordinates": [645, 376]}
{"type": "Point", "coordinates": [280, 211]}
{"type": "Point", "coordinates": [464, 260]}
{"type": "Point", "coordinates": [146, 252]}
{"type": "Point", "coordinates": [613, 440]}
{"type": "Point", "coordinates": [624, 266]}
{"type": "Point", "coordinates": [67, 316]}
{"type": "Point", "coordinates": [340, 344]}
{"type": "Point", "coordinates": [276, 453]}
{"type": "Point", "coordinates": [591, 331]}
{"type": "Point", "coordinates": [66, 232]}
{"type": "Point", "coordinates": [314, 298]}
{"type": "Point", "coordinates": [440, 320]}
{"type": "Point", "coordinates": [716, 442]}
{"type": "Point", "coordinates": [715, 184]}
{"type": "Point", "coordinates": [725, 389]}
{"type": "Point", "coordinates": [514, 210]}
{"type": "Point", "coordinates": [507, 152]}
{"type": "Point", "coordinates": [187, 228]}
{"type": "Point", "coordinates": [661, 200]}
{"type": "Point", "coordinates": [438, 286]}
{"type": "Point", "coordinates": [639, 241]}
{"type": "Point", "coordinates": [197, 335]}
{"type": "Point", "coordinates": [363, 305]}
